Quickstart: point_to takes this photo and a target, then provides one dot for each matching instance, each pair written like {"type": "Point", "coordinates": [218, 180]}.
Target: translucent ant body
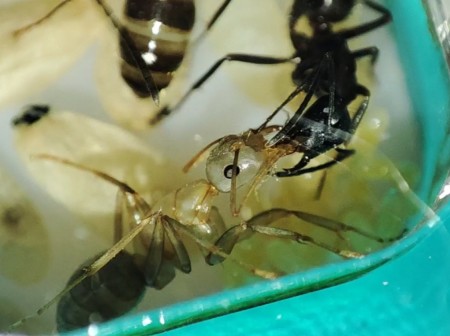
{"type": "Point", "coordinates": [157, 251]}
{"type": "Point", "coordinates": [155, 234]}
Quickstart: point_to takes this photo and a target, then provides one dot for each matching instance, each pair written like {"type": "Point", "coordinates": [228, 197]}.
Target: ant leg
{"type": "Point", "coordinates": [118, 216]}
{"type": "Point", "coordinates": [301, 83]}
{"type": "Point", "coordinates": [90, 270]}
{"type": "Point", "coordinates": [293, 94]}
{"type": "Point", "coordinates": [332, 90]}
{"type": "Point", "coordinates": [361, 90]}
{"type": "Point", "coordinates": [299, 170]}
{"type": "Point", "coordinates": [183, 260]}
{"type": "Point", "coordinates": [139, 213]}
{"type": "Point", "coordinates": [291, 126]}
{"type": "Point", "coordinates": [261, 222]}
{"type": "Point", "coordinates": [321, 185]}
{"type": "Point", "coordinates": [159, 267]}
{"type": "Point", "coordinates": [372, 52]}
{"type": "Point", "coordinates": [244, 58]}
{"type": "Point", "coordinates": [212, 21]}
{"type": "Point", "coordinates": [296, 170]}
{"type": "Point", "coordinates": [216, 251]}
{"type": "Point", "coordinates": [55, 9]}
{"type": "Point", "coordinates": [385, 18]}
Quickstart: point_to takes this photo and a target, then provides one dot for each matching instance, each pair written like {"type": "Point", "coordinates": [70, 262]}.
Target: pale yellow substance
{"type": "Point", "coordinates": [35, 57]}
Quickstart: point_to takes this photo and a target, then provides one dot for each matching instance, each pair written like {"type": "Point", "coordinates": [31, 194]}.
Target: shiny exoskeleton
{"type": "Point", "coordinates": [111, 292]}
{"type": "Point", "coordinates": [160, 31]}
{"type": "Point", "coordinates": [326, 69]}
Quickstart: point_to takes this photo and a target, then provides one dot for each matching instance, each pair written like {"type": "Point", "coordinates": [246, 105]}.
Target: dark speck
{"type": "Point", "coordinates": [31, 114]}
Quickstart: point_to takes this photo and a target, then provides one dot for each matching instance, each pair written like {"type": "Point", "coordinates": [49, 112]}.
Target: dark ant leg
{"type": "Point", "coordinates": [372, 52]}
{"type": "Point", "coordinates": [244, 58]}
{"type": "Point", "coordinates": [118, 216]}
{"type": "Point", "coordinates": [159, 269]}
{"type": "Point", "coordinates": [385, 18]}
{"type": "Point", "coordinates": [216, 251]}
{"type": "Point", "coordinates": [291, 125]}
{"type": "Point", "coordinates": [332, 89]}
{"type": "Point", "coordinates": [90, 270]}
{"type": "Point", "coordinates": [217, 15]}
{"type": "Point", "coordinates": [360, 90]}
{"type": "Point", "coordinates": [321, 185]}
{"type": "Point", "coordinates": [293, 94]}
{"type": "Point", "coordinates": [299, 170]}
{"type": "Point", "coordinates": [261, 222]}
{"type": "Point", "coordinates": [183, 261]}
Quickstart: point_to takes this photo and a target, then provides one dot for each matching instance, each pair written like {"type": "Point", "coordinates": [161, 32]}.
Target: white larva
{"type": "Point", "coordinates": [102, 146]}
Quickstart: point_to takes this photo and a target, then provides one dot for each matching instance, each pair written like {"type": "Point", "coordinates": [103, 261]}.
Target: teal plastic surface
{"type": "Point", "coordinates": [407, 296]}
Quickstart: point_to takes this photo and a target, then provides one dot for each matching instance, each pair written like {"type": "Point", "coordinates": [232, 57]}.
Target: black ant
{"type": "Point", "coordinates": [326, 67]}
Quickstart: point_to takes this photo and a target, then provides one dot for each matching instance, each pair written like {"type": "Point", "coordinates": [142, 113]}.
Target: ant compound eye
{"type": "Point", "coordinates": [219, 165]}
{"type": "Point", "coordinates": [228, 171]}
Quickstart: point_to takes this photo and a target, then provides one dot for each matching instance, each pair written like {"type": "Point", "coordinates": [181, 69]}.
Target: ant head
{"type": "Point", "coordinates": [229, 156]}
{"type": "Point", "coordinates": [326, 10]}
